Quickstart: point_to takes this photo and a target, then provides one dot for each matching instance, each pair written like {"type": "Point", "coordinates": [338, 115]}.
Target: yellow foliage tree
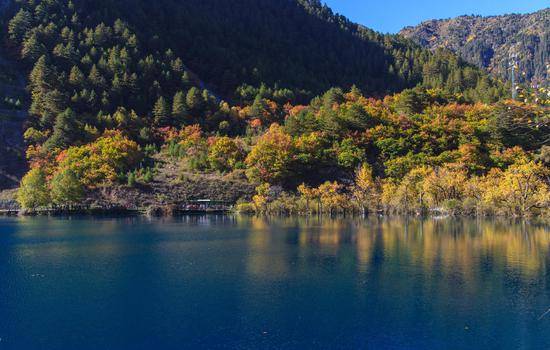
{"type": "Point", "coordinates": [225, 153]}
{"type": "Point", "coordinates": [446, 185]}
{"type": "Point", "coordinates": [270, 158]}
{"type": "Point", "coordinates": [521, 189]}
{"type": "Point", "coordinates": [409, 195]}
{"type": "Point", "coordinates": [308, 194]}
{"type": "Point", "coordinates": [365, 190]}
{"type": "Point", "coordinates": [100, 162]}
{"type": "Point", "coordinates": [332, 200]}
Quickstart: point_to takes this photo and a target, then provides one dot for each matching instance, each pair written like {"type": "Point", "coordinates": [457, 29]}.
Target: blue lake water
{"type": "Point", "coordinates": [222, 282]}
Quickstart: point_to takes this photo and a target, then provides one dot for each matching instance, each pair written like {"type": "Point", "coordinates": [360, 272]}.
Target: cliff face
{"type": "Point", "coordinates": [488, 42]}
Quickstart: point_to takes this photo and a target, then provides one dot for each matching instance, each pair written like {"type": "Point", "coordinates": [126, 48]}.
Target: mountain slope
{"type": "Point", "coordinates": [140, 66]}
{"type": "Point", "coordinates": [488, 42]}
{"type": "Point", "coordinates": [12, 117]}
{"type": "Point", "coordinates": [295, 44]}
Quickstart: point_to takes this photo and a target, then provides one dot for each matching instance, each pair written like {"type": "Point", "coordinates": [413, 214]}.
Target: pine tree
{"type": "Point", "coordinates": [186, 80]}
{"type": "Point", "coordinates": [258, 108]}
{"type": "Point", "coordinates": [40, 78]}
{"type": "Point", "coordinates": [45, 100]}
{"type": "Point", "coordinates": [177, 65]}
{"type": "Point", "coordinates": [32, 48]}
{"type": "Point", "coordinates": [65, 130]}
{"type": "Point", "coordinates": [179, 107]}
{"type": "Point", "coordinates": [194, 99]}
{"type": "Point", "coordinates": [95, 77]}
{"type": "Point", "coordinates": [76, 77]}
{"type": "Point", "coordinates": [161, 111]}
{"type": "Point", "coordinates": [19, 25]}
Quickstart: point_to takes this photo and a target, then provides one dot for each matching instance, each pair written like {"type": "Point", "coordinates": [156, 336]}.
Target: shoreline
{"type": "Point", "coordinates": [167, 212]}
{"type": "Point", "coordinates": [149, 212]}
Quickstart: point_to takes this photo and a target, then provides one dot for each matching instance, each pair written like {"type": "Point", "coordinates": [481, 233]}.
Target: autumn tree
{"type": "Point", "coordinates": [102, 161]}
{"type": "Point", "coordinates": [365, 191]}
{"type": "Point", "coordinates": [445, 185]}
{"type": "Point", "coordinates": [332, 198]}
{"type": "Point", "coordinates": [262, 198]}
{"type": "Point", "coordinates": [409, 194]}
{"type": "Point", "coordinates": [225, 153]}
{"type": "Point", "coordinates": [309, 194]}
{"type": "Point", "coordinates": [522, 189]}
{"type": "Point", "coordinates": [270, 159]}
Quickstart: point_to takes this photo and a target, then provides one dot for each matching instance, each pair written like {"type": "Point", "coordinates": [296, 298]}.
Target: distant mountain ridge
{"type": "Point", "coordinates": [488, 42]}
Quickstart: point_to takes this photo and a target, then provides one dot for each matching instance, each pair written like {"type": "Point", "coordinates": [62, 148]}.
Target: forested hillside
{"type": "Point", "coordinates": [13, 113]}
{"type": "Point", "coordinates": [94, 65]}
{"type": "Point", "coordinates": [489, 42]}
{"type": "Point", "coordinates": [298, 44]}
{"type": "Point", "coordinates": [136, 97]}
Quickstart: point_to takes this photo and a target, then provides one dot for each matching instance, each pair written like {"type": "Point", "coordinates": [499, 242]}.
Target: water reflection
{"type": "Point", "coordinates": [447, 282]}
{"type": "Point", "coordinates": [448, 245]}
{"type": "Point", "coordinates": [252, 282]}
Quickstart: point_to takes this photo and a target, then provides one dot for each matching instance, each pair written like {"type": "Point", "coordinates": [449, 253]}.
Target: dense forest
{"type": "Point", "coordinates": [229, 88]}
{"type": "Point", "coordinates": [494, 42]}
{"type": "Point", "coordinates": [86, 64]}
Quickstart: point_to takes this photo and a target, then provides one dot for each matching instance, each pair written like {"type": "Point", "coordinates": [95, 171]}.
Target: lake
{"type": "Point", "coordinates": [231, 282]}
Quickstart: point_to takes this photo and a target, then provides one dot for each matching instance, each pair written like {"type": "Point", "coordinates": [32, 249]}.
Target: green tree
{"type": "Point", "coordinates": [161, 111]}
{"type": "Point", "coordinates": [180, 111]}
{"type": "Point", "coordinates": [19, 25]}
{"type": "Point", "coordinates": [410, 102]}
{"type": "Point", "coordinates": [258, 108]}
{"type": "Point", "coordinates": [96, 78]}
{"type": "Point", "coordinates": [65, 130]}
{"type": "Point", "coordinates": [348, 154]}
{"type": "Point", "coordinates": [32, 48]}
{"type": "Point", "coordinates": [195, 100]}
{"type": "Point", "coordinates": [33, 192]}
{"type": "Point", "coordinates": [76, 77]}
{"type": "Point", "coordinates": [66, 188]}
{"type": "Point", "coordinates": [186, 80]}
{"type": "Point", "coordinates": [40, 79]}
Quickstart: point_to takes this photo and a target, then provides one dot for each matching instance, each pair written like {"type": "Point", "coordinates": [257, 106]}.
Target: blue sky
{"type": "Point", "coordinates": [392, 15]}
